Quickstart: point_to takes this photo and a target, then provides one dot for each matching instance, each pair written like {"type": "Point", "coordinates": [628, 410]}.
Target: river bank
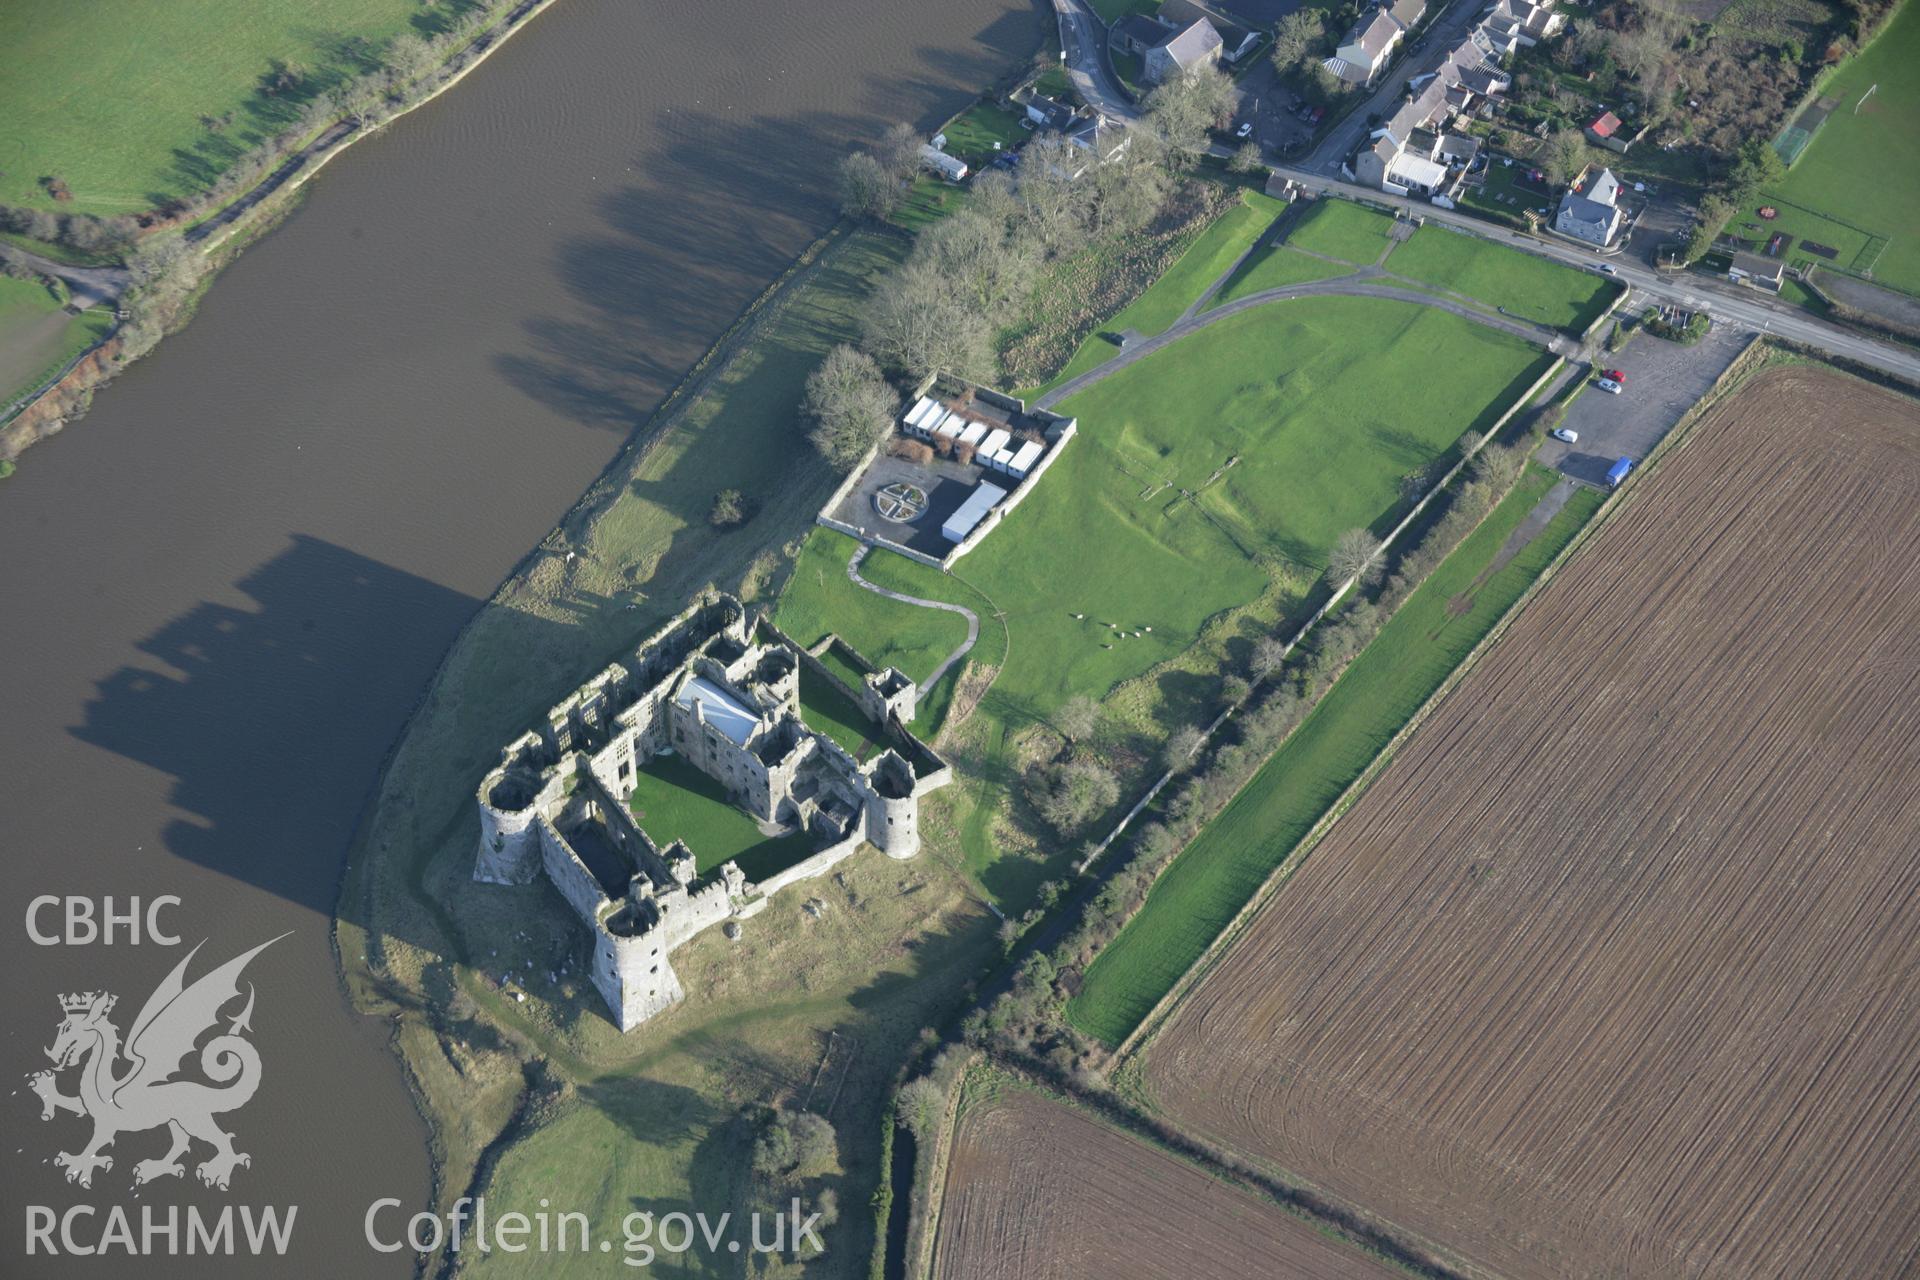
{"type": "Point", "coordinates": [253, 559]}
{"type": "Point", "coordinates": [219, 236]}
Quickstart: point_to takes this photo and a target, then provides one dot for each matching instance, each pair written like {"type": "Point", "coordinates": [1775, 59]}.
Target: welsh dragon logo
{"type": "Point", "coordinates": [143, 1093]}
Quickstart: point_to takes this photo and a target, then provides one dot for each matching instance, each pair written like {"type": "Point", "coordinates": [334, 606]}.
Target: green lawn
{"type": "Point", "coordinates": [675, 801]}
{"type": "Point", "coordinates": [111, 99]}
{"type": "Point", "coordinates": [1206, 259]}
{"type": "Point", "coordinates": [1299, 393]}
{"type": "Point", "coordinates": [1522, 284]}
{"type": "Point", "coordinates": [928, 200]}
{"type": "Point", "coordinates": [1341, 229]}
{"type": "Point", "coordinates": [1209, 882]}
{"type": "Point", "coordinates": [37, 337]}
{"type": "Point", "coordinates": [1864, 164]}
{"type": "Point", "coordinates": [820, 600]}
{"type": "Point", "coordinates": [833, 713]}
{"type": "Point", "coordinates": [1275, 266]}
{"type": "Point", "coordinates": [972, 133]}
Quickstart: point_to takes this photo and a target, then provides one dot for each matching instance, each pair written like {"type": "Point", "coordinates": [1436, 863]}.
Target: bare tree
{"type": "Point", "coordinates": [1053, 207]}
{"type": "Point", "coordinates": [1185, 109]}
{"type": "Point", "coordinates": [850, 406]}
{"type": "Point", "coordinates": [1246, 157]}
{"type": "Point", "coordinates": [1181, 745]}
{"type": "Point", "coordinates": [899, 151]}
{"type": "Point", "coordinates": [1356, 554]}
{"type": "Point", "coordinates": [1296, 38]}
{"type": "Point", "coordinates": [1068, 796]}
{"type": "Point", "coordinates": [867, 189]}
{"type": "Point", "coordinates": [1567, 155]}
{"type": "Point", "coordinates": [917, 323]}
{"type": "Point", "coordinates": [973, 253]}
{"type": "Point", "coordinates": [1077, 718]}
{"type": "Point", "coordinates": [1268, 653]}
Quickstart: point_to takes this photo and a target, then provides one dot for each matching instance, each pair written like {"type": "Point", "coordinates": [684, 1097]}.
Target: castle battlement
{"type": "Point", "coordinates": [721, 689]}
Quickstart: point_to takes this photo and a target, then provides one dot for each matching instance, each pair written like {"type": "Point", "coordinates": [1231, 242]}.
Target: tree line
{"type": "Point", "coordinates": [945, 307]}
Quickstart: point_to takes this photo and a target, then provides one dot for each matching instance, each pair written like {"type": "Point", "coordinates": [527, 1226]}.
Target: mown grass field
{"type": "Point", "coordinates": [1208, 883]}
{"type": "Point", "coordinates": [1107, 547]}
{"type": "Point", "coordinates": [819, 599]}
{"type": "Point", "coordinates": [1344, 230]}
{"type": "Point", "coordinates": [1275, 266]}
{"type": "Point", "coordinates": [112, 101]}
{"type": "Point", "coordinates": [37, 337]}
{"type": "Point", "coordinates": [675, 801]}
{"type": "Point", "coordinates": [1521, 283]}
{"type": "Point", "coordinates": [1216, 248]}
{"type": "Point", "coordinates": [1864, 165]}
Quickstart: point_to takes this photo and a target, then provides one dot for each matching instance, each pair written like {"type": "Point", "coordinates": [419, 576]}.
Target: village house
{"type": "Point", "coordinates": [1590, 210]}
{"type": "Point", "coordinates": [1196, 44]}
{"type": "Point", "coordinates": [1513, 24]}
{"type": "Point", "coordinates": [1366, 47]}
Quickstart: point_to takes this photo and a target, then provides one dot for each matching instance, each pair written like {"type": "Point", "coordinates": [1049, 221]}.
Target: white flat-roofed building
{"type": "Point", "coordinates": [1024, 458]}
{"type": "Point", "coordinates": [922, 412]}
{"type": "Point", "coordinates": [951, 427]}
{"type": "Point", "coordinates": [996, 441]}
{"type": "Point", "coordinates": [974, 433]}
{"type": "Point", "coordinates": [971, 511]}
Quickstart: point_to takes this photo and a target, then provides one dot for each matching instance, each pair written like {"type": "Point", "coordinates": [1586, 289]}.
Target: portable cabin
{"type": "Point", "coordinates": [971, 511]}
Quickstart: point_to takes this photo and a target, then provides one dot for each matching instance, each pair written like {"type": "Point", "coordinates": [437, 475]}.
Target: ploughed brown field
{"type": "Point", "coordinates": [1039, 1190]}
{"type": "Point", "coordinates": [1615, 970]}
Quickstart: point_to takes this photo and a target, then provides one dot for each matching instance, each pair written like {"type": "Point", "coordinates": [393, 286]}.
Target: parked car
{"type": "Point", "coordinates": [1609, 269]}
{"type": "Point", "coordinates": [1616, 375]}
{"type": "Point", "coordinates": [1608, 385]}
{"type": "Point", "coordinates": [1244, 130]}
{"type": "Point", "coordinates": [1566, 435]}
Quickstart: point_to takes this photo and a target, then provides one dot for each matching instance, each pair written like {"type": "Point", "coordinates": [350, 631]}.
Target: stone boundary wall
{"type": "Point", "coordinates": [812, 866]}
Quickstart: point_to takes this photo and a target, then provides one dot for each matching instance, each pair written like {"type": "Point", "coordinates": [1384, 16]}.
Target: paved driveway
{"type": "Point", "coordinates": [1664, 380]}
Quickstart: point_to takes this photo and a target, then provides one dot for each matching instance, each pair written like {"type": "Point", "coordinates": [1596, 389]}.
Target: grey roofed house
{"type": "Point", "coordinates": [1458, 148]}
{"type": "Point", "coordinates": [1191, 46]}
{"type": "Point", "coordinates": [1591, 215]}
{"type": "Point", "coordinates": [1137, 32]}
{"type": "Point", "coordinates": [1047, 113]}
{"type": "Point", "coordinates": [1370, 41]}
{"type": "Point", "coordinates": [1407, 12]}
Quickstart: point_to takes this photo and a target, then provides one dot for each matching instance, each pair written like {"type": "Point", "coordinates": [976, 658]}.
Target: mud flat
{"type": "Point", "coordinates": [1610, 971]}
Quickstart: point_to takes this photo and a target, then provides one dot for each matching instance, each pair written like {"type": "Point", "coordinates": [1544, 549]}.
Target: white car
{"type": "Point", "coordinates": [1566, 435]}
{"type": "Point", "coordinates": [1608, 385]}
{"type": "Point", "coordinates": [1612, 271]}
{"type": "Point", "coordinates": [1245, 130]}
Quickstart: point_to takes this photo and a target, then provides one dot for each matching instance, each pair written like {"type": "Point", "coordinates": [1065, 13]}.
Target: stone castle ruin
{"type": "Point", "coordinates": [720, 688]}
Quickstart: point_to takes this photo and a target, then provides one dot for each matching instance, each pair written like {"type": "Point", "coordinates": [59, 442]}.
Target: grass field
{"type": "Point", "coordinates": [675, 801]}
{"type": "Point", "coordinates": [1220, 871]}
{"type": "Point", "coordinates": [1863, 166]}
{"type": "Point", "coordinates": [1521, 283]}
{"type": "Point", "coordinates": [819, 599]}
{"type": "Point", "coordinates": [114, 106]}
{"type": "Point", "coordinates": [37, 337]}
{"type": "Point", "coordinates": [1294, 393]}
{"type": "Point", "coordinates": [1344, 230]}
{"type": "Point", "coordinates": [1230, 235]}
{"type": "Point", "coordinates": [1277, 265]}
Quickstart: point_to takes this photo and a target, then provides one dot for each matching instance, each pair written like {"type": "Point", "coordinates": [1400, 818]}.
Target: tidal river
{"type": "Point", "coordinates": [221, 592]}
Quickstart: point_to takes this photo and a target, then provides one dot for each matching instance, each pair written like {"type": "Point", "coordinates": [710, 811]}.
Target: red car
{"type": "Point", "coordinates": [1616, 375]}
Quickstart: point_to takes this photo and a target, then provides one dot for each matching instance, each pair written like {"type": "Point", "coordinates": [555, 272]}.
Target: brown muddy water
{"type": "Point", "coordinates": [221, 592]}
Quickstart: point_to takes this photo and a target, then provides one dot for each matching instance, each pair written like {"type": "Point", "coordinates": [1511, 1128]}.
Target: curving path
{"type": "Point", "coordinates": [973, 619]}
{"type": "Point", "coordinates": [1361, 284]}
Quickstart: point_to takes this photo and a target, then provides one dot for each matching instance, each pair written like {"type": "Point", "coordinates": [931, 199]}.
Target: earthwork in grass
{"type": "Point", "coordinates": [1216, 875]}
